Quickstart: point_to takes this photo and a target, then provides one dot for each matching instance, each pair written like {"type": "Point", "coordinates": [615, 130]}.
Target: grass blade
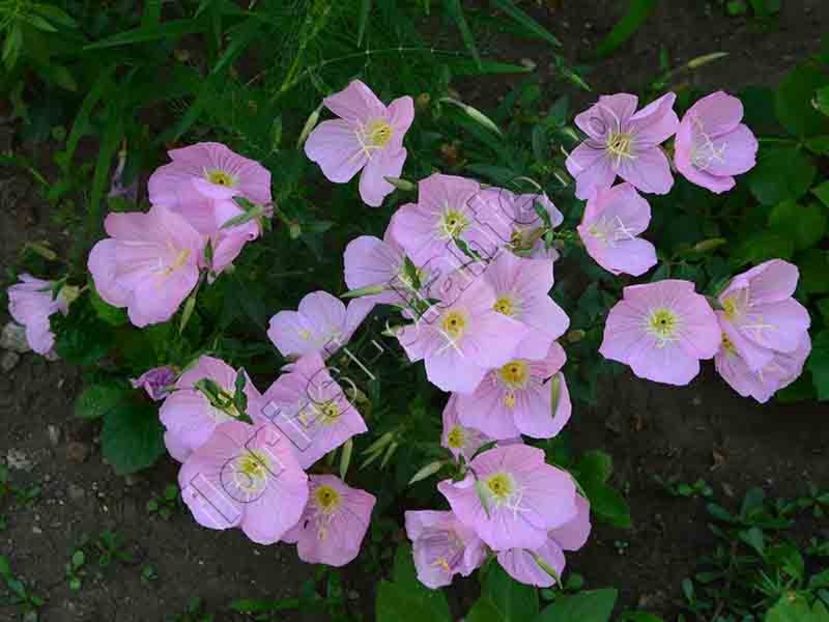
{"type": "Point", "coordinates": [168, 30]}
{"type": "Point", "coordinates": [527, 22]}
{"type": "Point", "coordinates": [365, 9]}
{"type": "Point", "coordinates": [455, 11]}
{"type": "Point", "coordinates": [638, 11]}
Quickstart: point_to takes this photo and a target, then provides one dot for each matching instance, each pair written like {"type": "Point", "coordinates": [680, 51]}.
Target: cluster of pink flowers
{"type": "Point", "coordinates": [711, 146]}
{"type": "Point", "coordinates": [470, 268]}
{"type": "Point", "coordinates": [153, 260]}
{"type": "Point", "coordinates": [244, 456]}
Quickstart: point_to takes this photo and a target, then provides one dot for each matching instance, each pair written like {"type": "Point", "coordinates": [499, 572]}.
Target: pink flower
{"type": "Point", "coordinates": [322, 324]}
{"type": "Point", "coordinates": [711, 144]}
{"type": "Point", "coordinates": [31, 303]}
{"type": "Point", "coordinates": [449, 210]}
{"type": "Point", "coordinates": [521, 287]}
{"type": "Point", "coordinates": [623, 142]}
{"type": "Point", "coordinates": [523, 565]}
{"type": "Point", "coordinates": [442, 547]}
{"type": "Point", "coordinates": [780, 371]}
{"type": "Point", "coordinates": [759, 315]}
{"type": "Point", "coordinates": [367, 136]}
{"type": "Point", "coordinates": [149, 264]}
{"type": "Point", "coordinates": [372, 262]}
{"type": "Point", "coordinates": [156, 382]}
{"type": "Point", "coordinates": [517, 398]}
{"type": "Point", "coordinates": [661, 330]}
{"type": "Point", "coordinates": [311, 410]}
{"type": "Point", "coordinates": [189, 416]}
{"type": "Point", "coordinates": [613, 219]}
{"type": "Point", "coordinates": [334, 522]}
{"type": "Point", "coordinates": [462, 337]}
{"type": "Point", "coordinates": [245, 476]}
{"type": "Point", "coordinates": [511, 497]}
{"type": "Point", "coordinates": [200, 184]}
{"type": "Point", "coordinates": [520, 212]}
{"type": "Point", "coordinates": [458, 439]}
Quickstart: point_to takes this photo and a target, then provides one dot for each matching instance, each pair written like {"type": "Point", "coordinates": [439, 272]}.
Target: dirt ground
{"type": "Point", "coordinates": [704, 430]}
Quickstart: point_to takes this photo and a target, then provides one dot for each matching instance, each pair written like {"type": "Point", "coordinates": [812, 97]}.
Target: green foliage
{"type": "Point", "coordinates": [590, 606]}
{"type": "Point", "coordinates": [636, 14]}
{"type": "Point", "coordinates": [593, 471]}
{"type": "Point", "coordinates": [759, 564]}
{"type": "Point", "coordinates": [131, 438]}
{"type": "Point", "coordinates": [404, 598]}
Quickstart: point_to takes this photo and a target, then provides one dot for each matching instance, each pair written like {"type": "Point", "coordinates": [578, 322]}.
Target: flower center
{"type": "Point", "coordinates": [378, 133]}
{"type": "Point", "coordinates": [663, 324]}
{"type": "Point", "coordinates": [731, 308]}
{"type": "Point", "coordinates": [453, 324]}
{"type": "Point", "coordinates": [620, 145]}
{"type": "Point", "coordinates": [514, 374]}
{"type": "Point", "coordinates": [327, 498]}
{"type": "Point", "coordinates": [727, 345]}
{"type": "Point", "coordinates": [220, 178]}
{"type": "Point", "coordinates": [456, 438]}
{"type": "Point", "coordinates": [252, 469]}
{"type": "Point", "coordinates": [329, 412]}
{"type": "Point", "coordinates": [504, 305]}
{"type": "Point", "coordinates": [500, 487]}
{"type": "Point", "coordinates": [453, 223]}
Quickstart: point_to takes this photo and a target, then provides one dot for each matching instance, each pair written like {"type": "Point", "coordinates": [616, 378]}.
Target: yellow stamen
{"type": "Point", "coordinates": [504, 305]}
{"type": "Point", "coordinates": [515, 374]}
{"type": "Point", "coordinates": [220, 178]}
{"type": "Point", "coordinates": [453, 324]}
{"type": "Point", "coordinates": [456, 438]}
{"type": "Point", "coordinates": [663, 324]}
{"type": "Point", "coordinates": [620, 145]}
{"type": "Point", "coordinates": [378, 133]}
{"type": "Point", "coordinates": [327, 498]}
{"type": "Point", "coordinates": [453, 223]}
{"type": "Point", "coordinates": [500, 486]}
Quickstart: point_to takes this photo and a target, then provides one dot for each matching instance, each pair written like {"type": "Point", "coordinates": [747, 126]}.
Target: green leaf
{"type": "Point", "coordinates": [814, 271]}
{"type": "Point", "coordinates": [109, 314]}
{"type": "Point", "coordinates": [639, 616]}
{"type": "Point", "coordinates": [131, 438]}
{"type": "Point", "coordinates": [365, 10]}
{"type": "Point", "coordinates": [405, 599]}
{"type": "Point", "coordinates": [592, 472]}
{"type": "Point", "coordinates": [98, 400]}
{"type": "Point", "coordinates": [793, 101]}
{"type": "Point", "coordinates": [637, 12]}
{"type": "Point", "coordinates": [818, 364]}
{"type": "Point", "coordinates": [821, 191]}
{"type": "Point", "coordinates": [172, 29]}
{"type": "Point", "coordinates": [504, 600]}
{"type": "Point", "coordinates": [822, 100]}
{"type": "Point", "coordinates": [804, 225]}
{"type": "Point", "coordinates": [12, 46]}
{"type": "Point", "coordinates": [525, 21]}
{"type": "Point", "coordinates": [592, 606]}
{"type": "Point", "coordinates": [454, 9]}
{"type": "Point", "coordinates": [794, 607]}
{"type": "Point", "coordinates": [55, 15]}
{"type": "Point", "coordinates": [781, 174]}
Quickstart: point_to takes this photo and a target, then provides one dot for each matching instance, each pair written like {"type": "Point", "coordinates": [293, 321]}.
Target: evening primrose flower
{"type": "Point", "coordinates": [190, 415]}
{"type": "Point", "coordinates": [334, 523]}
{"type": "Point", "coordinates": [661, 330]}
{"type": "Point", "coordinates": [461, 337]}
{"type": "Point", "coordinates": [245, 476]}
{"type": "Point", "coordinates": [759, 315]}
{"type": "Point", "coordinates": [520, 397]}
{"type": "Point", "coordinates": [149, 264]}
{"type": "Point", "coordinates": [778, 372]}
{"type": "Point", "coordinates": [457, 438]}
{"type": "Point", "coordinates": [711, 144]}
{"type": "Point", "coordinates": [544, 566]}
{"type": "Point", "coordinates": [322, 324]}
{"type": "Point", "coordinates": [368, 136]}
{"type": "Point", "coordinates": [612, 221]}
{"type": "Point", "coordinates": [442, 547]}
{"type": "Point", "coordinates": [31, 303]}
{"type": "Point", "coordinates": [310, 409]}
{"type": "Point", "coordinates": [624, 142]}
{"type": "Point", "coordinates": [511, 497]}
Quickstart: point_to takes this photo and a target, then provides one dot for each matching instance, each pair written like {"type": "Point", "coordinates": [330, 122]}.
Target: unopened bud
{"type": "Point", "coordinates": [699, 61]}
{"type": "Point", "coordinates": [401, 184]}
{"type": "Point", "coordinates": [575, 335]}
{"type": "Point", "coordinates": [310, 124]}
{"type": "Point", "coordinates": [422, 101]}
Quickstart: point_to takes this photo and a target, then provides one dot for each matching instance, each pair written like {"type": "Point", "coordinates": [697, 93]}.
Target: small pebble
{"type": "Point", "coordinates": [13, 337]}
{"type": "Point", "coordinates": [53, 432]}
{"type": "Point", "coordinates": [9, 361]}
{"type": "Point", "coordinates": [18, 460]}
